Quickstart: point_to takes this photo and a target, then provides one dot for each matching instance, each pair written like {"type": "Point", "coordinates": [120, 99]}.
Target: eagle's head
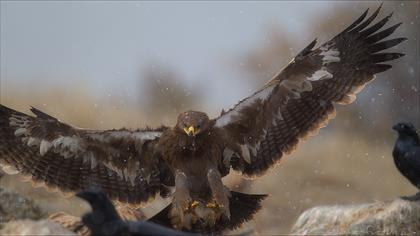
{"type": "Point", "coordinates": [193, 123]}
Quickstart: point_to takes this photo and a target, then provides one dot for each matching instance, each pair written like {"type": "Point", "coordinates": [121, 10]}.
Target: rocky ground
{"type": "Point", "coordinates": [397, 217]}
{"type": "Point", "coordinates": [34, 227]}
{"type": "Point", "coordinates": [22, 216]}
{"type": "Point", "coordinates": [14, 206]}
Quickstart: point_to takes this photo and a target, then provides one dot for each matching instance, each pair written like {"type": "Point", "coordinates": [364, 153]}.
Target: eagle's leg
{"type": "Point", "coordinates": [218, 190]}
{"type": "Point", "coordinates": [182, 198]}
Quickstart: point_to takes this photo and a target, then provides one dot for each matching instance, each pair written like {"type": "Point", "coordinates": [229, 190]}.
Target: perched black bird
{"type": "Point", "coordinates": [407, 154]}
{"type": "Point", "coordinates": [105, 221]}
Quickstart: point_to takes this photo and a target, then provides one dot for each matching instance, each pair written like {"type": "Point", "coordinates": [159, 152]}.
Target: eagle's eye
{"type": "Point", "coordinates": [198, 126]}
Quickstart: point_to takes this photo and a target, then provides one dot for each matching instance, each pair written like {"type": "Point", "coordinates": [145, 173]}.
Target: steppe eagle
{"type": "Point", "coordinates": [132, 166]}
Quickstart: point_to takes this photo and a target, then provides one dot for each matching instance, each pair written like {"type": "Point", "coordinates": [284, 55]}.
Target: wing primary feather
{"type": "Point", "coordinates": [376, 26]}
{"type": "Point", "coordinates": [377, 68]}
{"type": "Point", "coordinates": [307, 49]}
{"type": "Point", "coordinates": [368, 21]}
{"type": "Point", "coordinates": [385, 45]}
{"type": "Point", "coordinates": [381, 57]}
{"type": "Point", "coordinates": [41, 114]}
{"type": "Point", "coordinates": [356, 22]}
{"type": "Point", "coordinates": [383, 34]}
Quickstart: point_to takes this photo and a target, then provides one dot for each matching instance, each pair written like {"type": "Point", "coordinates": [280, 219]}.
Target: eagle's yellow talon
{"type": "Point", "coordinates": [214, 205]}
{"type": "Point", "coordinates": [191, 206]}
{"type": "Point", "coordinates": [211, 205]}
{"type": "Point", "coordinates": [194, 204]}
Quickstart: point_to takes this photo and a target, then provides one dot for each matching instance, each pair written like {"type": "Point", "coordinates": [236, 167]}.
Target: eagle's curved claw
{"type": "Point", "coordinates": [211, 205]}
{"type": "Point", "coordinates": [193, 204]}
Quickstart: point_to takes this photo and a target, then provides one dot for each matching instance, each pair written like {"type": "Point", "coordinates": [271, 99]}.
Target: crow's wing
{"type": "Point", "coordinates": [412, 157]}
{"type": "Point", "coordinates": [299, 100]}
{"type": "Point", "coordinates": [121, 162]}
{"type": "Point", "coordinates": [413, 153]}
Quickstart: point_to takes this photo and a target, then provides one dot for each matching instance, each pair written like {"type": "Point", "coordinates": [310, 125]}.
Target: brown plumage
{"type": "Point", "coordinates": [133, 166]}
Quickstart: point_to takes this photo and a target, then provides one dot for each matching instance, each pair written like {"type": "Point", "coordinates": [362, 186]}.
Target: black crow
{"type": "Point", "coordinates": [105, 221]}
{"type": "Point", "coordinates": [407, 154]}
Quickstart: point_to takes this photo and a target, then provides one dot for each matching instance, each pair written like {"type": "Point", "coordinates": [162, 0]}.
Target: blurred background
{"type": "Point", "coordinates": [129, 64]}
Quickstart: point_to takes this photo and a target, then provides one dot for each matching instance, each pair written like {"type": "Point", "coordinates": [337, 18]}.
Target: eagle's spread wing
{"type": "Point", "coordinates": [299, 100]}
{"type": "Point", "coordinates": [121, 162]}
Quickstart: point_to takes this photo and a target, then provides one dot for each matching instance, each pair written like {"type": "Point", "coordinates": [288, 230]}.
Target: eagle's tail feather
{"type": "Point", "coordinates": [242, 208]}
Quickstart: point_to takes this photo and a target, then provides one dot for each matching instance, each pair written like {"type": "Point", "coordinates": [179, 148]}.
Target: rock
{"type": "Point", "coordinates": [31, 227]}
{"type": "Point", "coordinates": [397, 217]}
{"type": "Point", "coordinates": [394, 217]}
{"type": "Point", "coordinates": [14, 207]}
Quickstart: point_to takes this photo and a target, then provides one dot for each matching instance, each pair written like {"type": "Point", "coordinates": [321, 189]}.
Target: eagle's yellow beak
{"type": "Point", "coordinates": [190, 131]}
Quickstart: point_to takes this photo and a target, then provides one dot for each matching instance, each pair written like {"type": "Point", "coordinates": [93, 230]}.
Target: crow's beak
{"type": "Point", "coordinates": [395, 127]}
{"type": "Point", "coordinates": [190, 131]}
